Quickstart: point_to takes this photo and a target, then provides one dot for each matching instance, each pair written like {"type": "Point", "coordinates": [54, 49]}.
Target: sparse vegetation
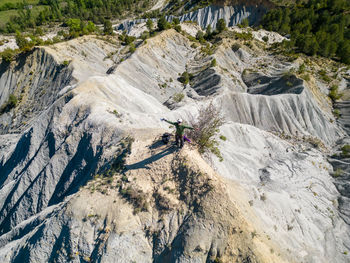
{"type": "Point", "coordinates": [324, 76]}
{"type": "Point", "coordinates": [346, 150]}
{"type": "Point", "coordinates": [338, 172]}
{"type": "Point", "coordinates": [236, 46]}
{"type": "Point", "coordinates": [221, 25]}
{"type": "Point", "coordinates": [136, 197]}
{"type": "Point", "coordinates": [10, 104]}
{"type": "Point", "coordinates": [66, 63]}
{"type": "Point", "coordinates": [8, 54]}
{"type": "Point", "coordinates": [177, 97]}
{"type": "Point", "coordinates": [244, 36]}
{"type": "Point", "coordinates": [254, 234]}
{"type": "Point", "coordinates": [206, 126]}
{"type": "Point", "coordinates": [184, 78]}
{"type": "Point", "coordinates": [222, 137]}
{"type": "Point", "coordinates": [244, 23]}
{"type": "Point", "coordinates": [336, 113]}
{"type": "Point", "coordinates": [213, 63]}
{"type": "Point", "coordinates": [334, 93]}
{"type": "Point", "coordinates": [162, 24]}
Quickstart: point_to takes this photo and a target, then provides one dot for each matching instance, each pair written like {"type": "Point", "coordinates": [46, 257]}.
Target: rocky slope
{"type": "Point", "coordinates": [233, 15]}
{"type": "Point", "coordinates": [75, 187]}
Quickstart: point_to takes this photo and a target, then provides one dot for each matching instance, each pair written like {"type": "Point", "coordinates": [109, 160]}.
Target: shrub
{"type": "Point", "coordinates": [244, 36]}
{"type": "Point", "coordinates": [236, 46]}
{"type": "Point", "coordinates": [244, 23]}
{"type": "Point", "coordinates": [127, 40]}
{"type": "Point", "coordinates": [213, 63]}
{"type": "Point", "coordinates": [145, 35]}
{"type": "Point", "coordinates": [149, 24]}
{"type": "Point", "coordinates": [208, 50]}
{"type": "Point", "coordinates": [305, 77]}
{"type": "Point", "coordinates": [338, 172]}
{"type": "Point", "coordinates": [10, 104]}
{"type": "Point", "coordinates": [336, 113]}
{"type": "Point", "coordinates": [162, 24]}
{"type": "Point", "coordinates": [8, 55]}
{"type": "Point", "coordinates": [107, 27]}
{"type": "Point", "coordinates": [176, 21]}
{"type": "Point", "coordinates": [334, 93]}
{"type": "Point", "coordinates": [178, 97]}
{"type": "Point", "coordinates": [200, 36]}
{"type": "Point", "coordinates": [221, 25]}
{"type": "Point", "coordinates": [206, 126]}
{"type": "Point", "coordinates": [222, 137]}
{"type": "Point", "coordinates": [185, 78]}
{"type": "Point", "coordinates": [178, 28]}
{"type": "Point", "coordinates": [132, 48]}
{"type": "Point", "coordinates": [346, 150]}
{"type": "Point", "coordinates": [324, 76]}
{"type": "Point", "coordinates": [302, 68]}
{"type": "Point", "coordinates": [265, 39]}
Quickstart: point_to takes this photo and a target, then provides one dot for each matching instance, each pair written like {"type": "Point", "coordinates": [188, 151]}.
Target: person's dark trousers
{"type": "Point", "coordinates": [179, 140]}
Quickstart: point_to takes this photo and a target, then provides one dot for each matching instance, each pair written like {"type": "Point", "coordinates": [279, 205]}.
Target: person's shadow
{"type": "Point", "coordinates": [143, 164]}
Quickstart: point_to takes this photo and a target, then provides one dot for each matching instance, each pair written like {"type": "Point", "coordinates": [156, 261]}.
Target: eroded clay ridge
{"type": "Point", "coordinates": [86, 179]}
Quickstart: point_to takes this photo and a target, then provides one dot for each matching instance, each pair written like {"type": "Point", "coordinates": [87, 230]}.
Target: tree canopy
{"type": "Point", "coordinates": [316, 27]}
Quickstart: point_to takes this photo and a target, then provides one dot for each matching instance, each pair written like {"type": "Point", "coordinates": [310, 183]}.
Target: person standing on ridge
{"type": "Point", "coordinates": [179, 134]}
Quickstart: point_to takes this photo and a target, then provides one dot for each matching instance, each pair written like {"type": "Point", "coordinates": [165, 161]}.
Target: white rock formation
{"type": "Point", "coordinates": [271, 199]}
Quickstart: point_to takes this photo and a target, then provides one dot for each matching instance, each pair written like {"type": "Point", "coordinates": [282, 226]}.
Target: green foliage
{"type": "Point", "coordinates": [236, 46]}
{"type": "Point", "coordinates": [208, 49]}
{"type": "Point", "coordinates": [162, 24]}
{"type": "Point", "coordinates": [176, 21]}
{"type": "Point", "coordinates": [346, 150]}
{"type": "Point", "coordinates": [316, 27]}
{"type": "Point", "coordinates": [144, 35]}
{"type": "Point", "coordinates": [22, 42]}
{"type": "Point", "coordinates": [245, 23]}
{"type": "Point", "coordinates": [38, 31]}
{"type": "Point", "coordinates": [222, 137]}
{"type": "Point", "coordinates": [107, 27]}
{"type": "Point", "coordinates": [149, 24]}
{"type": "Point", "coordinates": [338, 172]}
{"type": "Point", "coordinates": [8, 55]}
{"type": "Point", "coordinates": [221, 25]}
{"type": "Point", "coordinates": [47, 11]}
{"type": "Point", "coordinates": [185, 78]}
{"type": "Point", "coordinates": [208, 32]}
{"type": "Point", "coordinates": [334, 93]}
{"type": "Point", "coordinates": [178, 28]}
{"type": "Point", "coordinates": [10, 104]}
{"type": "Point", "coordinates": [244, 36]}
{"type": "Point", "coordinates": [78, 28]}
{"type": "Point", "coordinates": [127, 40]}
{"type": "Point", "coordinates": [336, 113]}
{"type": "Point", "coordinates": [206, 127]}
{"type": "Point", "coordinates": [132, 48]}
{"type": "Point", "coordinates": [178, 97]}
{"type": "Point", "coordinates": [324, 76]}
{"type": "Point", "coordinates": [200, 36]}
{"type": "Point", "coordinates": [213, 63]}
{"type": "Point", "coordinates": [265, 39]}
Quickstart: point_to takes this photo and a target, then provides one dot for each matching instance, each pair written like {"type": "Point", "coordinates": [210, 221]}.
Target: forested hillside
{"type": "Point", "coordinates": [315, 27]}
{"type": "Point", "coordinates": [59, 10]}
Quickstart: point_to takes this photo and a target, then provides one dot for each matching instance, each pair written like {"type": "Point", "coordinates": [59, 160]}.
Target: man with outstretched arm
{"type": "Point", "coordinates": [180, 128]}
